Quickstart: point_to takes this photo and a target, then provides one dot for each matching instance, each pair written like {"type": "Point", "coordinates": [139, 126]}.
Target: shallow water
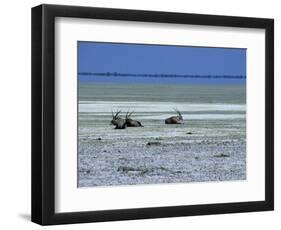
{"type": "Point", "coordinates": [209, 146]}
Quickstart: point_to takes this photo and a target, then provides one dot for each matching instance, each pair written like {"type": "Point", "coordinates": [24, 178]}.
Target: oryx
{"type": "Point", "coordinates": [119, 122]}
{"type": "Point", "coordinates": [130, 122]}
{"type": "Point", "coordinates": [175, 119]}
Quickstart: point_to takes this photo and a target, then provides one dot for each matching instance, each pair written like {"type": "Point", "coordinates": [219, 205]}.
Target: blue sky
{"type": "Point", "coordinates": [158, 59]}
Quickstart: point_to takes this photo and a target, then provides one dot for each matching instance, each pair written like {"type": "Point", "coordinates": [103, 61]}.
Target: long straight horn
{"type": "Point", "coordinates": [176, 110]}
{"type": "Point", "coordinates": [131, 113]}
{"type": "Point", "coordinates": [127, 114]}
{"type": "Point", "coordinates": [180, 114]}
{"type": "Point", "coordinates": [117, 113]}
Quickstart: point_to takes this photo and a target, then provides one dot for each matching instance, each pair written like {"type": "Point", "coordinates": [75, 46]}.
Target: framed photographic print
{"type": "Point", "coordinates": [142, 114]}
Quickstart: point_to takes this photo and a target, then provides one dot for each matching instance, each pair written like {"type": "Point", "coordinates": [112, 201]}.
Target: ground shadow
{"type": "Point", "coordinates": [25, 216]}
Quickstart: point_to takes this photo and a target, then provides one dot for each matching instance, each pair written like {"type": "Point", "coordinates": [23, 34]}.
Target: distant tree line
{"type": "Point", "coordinates": [115, 74]}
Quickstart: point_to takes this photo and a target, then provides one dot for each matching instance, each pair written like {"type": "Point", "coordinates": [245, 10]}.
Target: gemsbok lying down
{"type": "Point", "coordinates": [117, 121]}
{"type": "Point", "coordinates": [130, 122]}
{"type": "Point", "coordinates": [175, 119]}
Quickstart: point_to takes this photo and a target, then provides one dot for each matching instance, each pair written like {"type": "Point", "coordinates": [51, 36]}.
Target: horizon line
{"type": "Point", "coordinates": [161, 75]}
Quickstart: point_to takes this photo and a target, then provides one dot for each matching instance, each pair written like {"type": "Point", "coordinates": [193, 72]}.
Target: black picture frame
{"type": "Point", "coordinates": [43, 114]}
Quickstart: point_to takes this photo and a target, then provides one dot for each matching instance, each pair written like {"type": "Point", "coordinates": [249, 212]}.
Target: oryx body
{"type": "Point", "coordinates": [175, 119]}
{"type": "Point", "coordinates": [132, 123]}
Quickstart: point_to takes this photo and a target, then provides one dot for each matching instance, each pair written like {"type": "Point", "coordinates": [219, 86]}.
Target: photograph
{"type": "Point", "coordinates": [160, 113]}
{"type": "Point", "coordinates": [141, 114]}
